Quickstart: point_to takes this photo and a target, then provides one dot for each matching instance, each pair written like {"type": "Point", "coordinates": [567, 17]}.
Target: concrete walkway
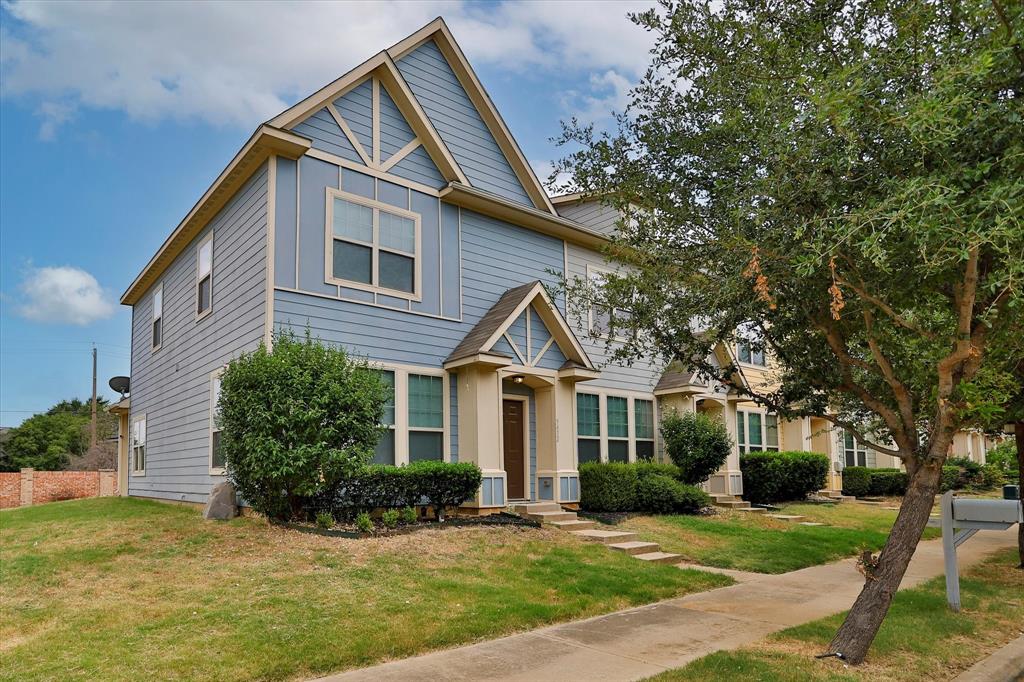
{"type": "Point", "coordinates": [1004, 665]}
{"type": "Point", "coordinates": [636, 643]}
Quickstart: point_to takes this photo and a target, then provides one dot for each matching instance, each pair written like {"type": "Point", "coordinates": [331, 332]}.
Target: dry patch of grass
{"type": "Point", "coordinates": [921, 638]}
{"type": "Point", "coordinates": [124, 588]}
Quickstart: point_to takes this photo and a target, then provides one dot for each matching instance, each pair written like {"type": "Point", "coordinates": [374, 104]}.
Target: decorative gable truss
{"type": "Point", "coordinates": [370, 117]}
{"type": "Point", "coordinates": [522, 328]}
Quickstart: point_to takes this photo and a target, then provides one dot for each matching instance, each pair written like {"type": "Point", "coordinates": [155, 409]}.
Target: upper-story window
{"type": "Point", "coordinates": [158, 316]}
{"type": "Point", "coordinates": [749, 355]}
{"type": "Point", "coordinates": [756, 431]}
{"type": "Point", "coordinates": [372, 246]}
{"type": "Point", "coordinates": [204, 277]}
{"type": "Point", "coordinates": [601, 316]}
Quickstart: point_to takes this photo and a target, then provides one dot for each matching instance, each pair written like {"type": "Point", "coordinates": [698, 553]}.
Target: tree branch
{"type": "Point", "coordinates": [899, 389]}
{"type": "Point", "coordinates": [885, 308]}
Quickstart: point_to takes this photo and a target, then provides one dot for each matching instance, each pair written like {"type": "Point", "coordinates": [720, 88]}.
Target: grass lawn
{"type": "Point", "coordinates": [921, 638]}
{"type": "Point", "coordinates": [120, 588]}
{"type": "Point", "coordinates": [750, 542]}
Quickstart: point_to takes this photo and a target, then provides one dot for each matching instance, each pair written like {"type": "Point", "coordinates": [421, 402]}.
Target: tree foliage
{"type": "Point", "coordinates": [845, 182]}
{"type": "Point", "coordinates": [295, 421]}
{"type": "Point", "coordinates": [696, 443]}
{"type": "Point", "coordinates": [50, 440]}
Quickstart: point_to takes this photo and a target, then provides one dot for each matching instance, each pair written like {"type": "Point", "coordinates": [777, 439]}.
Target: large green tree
{"type": "Point", "coordinates": [842, 183]}
{"type": "Point", "coordinates": [49, 441]}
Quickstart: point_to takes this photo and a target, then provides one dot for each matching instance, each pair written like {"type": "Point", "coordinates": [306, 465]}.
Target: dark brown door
{"type": "Point", "coordinates": [515, 451]}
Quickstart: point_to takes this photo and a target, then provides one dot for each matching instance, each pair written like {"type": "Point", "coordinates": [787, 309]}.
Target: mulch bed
{"type": "Point", "coordinates": [502, 519]}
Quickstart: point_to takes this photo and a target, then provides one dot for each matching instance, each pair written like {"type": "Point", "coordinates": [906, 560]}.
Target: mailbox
{"type": "Point", "coordinates": [987, 511]}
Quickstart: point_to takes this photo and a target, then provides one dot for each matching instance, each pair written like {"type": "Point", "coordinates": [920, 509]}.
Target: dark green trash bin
{"type": "Point", "coordinates": [1011, 492]}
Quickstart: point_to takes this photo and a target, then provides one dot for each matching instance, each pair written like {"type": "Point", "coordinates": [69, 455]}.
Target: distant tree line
{"type": "Point", "coordinates": [59, 439]}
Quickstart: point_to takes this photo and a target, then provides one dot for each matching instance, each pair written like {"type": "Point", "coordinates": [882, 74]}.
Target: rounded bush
{"type": "Point", "coordinates": [608, 486]}
{"type": "Point", "coordinates": [780, 476]}
{"type": "Point", "coordinates": [888, 482]}
{"type": "Point", "coordinates": [659, 494]}
{"type": "Point", "coordinates": [644, 469]}
{"type": "Point", "coordinates": [696, 443]}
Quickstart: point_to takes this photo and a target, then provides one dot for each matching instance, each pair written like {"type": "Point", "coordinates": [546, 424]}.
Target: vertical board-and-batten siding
{"type": "Point", "coordinates": [457, 121]}
{"type": "Point", "coordinates": [643, 375]}
{"type": "Point", "coordinates": [172, 386]}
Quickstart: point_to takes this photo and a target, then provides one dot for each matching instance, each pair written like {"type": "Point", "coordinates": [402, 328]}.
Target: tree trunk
{"type": "Point", "coordinates": [1018, 431]}
{"type": "Point", "coordinates": [854, 637]}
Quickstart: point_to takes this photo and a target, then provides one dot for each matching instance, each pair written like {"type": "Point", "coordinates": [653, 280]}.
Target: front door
{"type": "Point", "coordinates": [514, 448]}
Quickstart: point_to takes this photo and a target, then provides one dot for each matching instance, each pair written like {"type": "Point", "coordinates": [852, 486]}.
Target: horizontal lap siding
{"type": "Point", "coordinates": [172, 386]}
{"type": "Point", "coordinates": [326, 136]}
{"type": "Point", "coordinates": [593, 214]}
{"type": "Point", "coordinates": [642, 375]}
{"type": "Point", "coordinates": [459, 124]}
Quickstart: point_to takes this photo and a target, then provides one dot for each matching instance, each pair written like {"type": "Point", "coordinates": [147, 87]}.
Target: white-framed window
{"type": "Point", "coordinates": [854, 452]}
{"type": "Point", "coordinates": [416, 416]}
{"type": "Point", "coordinates": [745, 350]}
{"type": "Point", "coordinates": [216, 455]}
{"type": "Point", "coordinates": [372, 246]}
{"type": "Point", "coordinates": [204, 277]}
{"type": "Point", "coordinates": [756, 431]}
{"type": "Point", "coordinates": [643, 425]}
{"type": "Point", "coordinates": [599, 317]}
{"type": "Point", "coordinates": [613, 427]}
{"type": "Point", "coordinates": [138, 445]}
{"type": "Point", "coordinates": [158, 317]}
{"type": "Point", "coordinates": [617, 410]}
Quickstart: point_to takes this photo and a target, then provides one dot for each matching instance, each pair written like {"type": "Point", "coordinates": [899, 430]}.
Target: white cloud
{"type": "Point", "coordinates": [239, 63]}
{"type": "Point", "coordinates": [63, 295]}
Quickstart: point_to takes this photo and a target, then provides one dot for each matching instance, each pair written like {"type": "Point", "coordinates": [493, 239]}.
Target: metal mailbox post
{"type": "Point", "coordinates": [960, 519]}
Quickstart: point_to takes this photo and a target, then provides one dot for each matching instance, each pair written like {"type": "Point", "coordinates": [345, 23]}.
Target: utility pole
{"type": "Point", "coordinates": [92, 424]}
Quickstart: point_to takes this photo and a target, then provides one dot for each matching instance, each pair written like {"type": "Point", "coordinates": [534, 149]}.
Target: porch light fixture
{"type": "Point", "coordinates": [517, 378]}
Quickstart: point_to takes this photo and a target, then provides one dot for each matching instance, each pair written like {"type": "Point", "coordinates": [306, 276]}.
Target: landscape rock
{"type": "Point", "coordinates": [222, 504]}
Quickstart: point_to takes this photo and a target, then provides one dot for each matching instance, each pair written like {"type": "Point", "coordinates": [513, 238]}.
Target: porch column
{"type": "Point", "coordinates": [557, 475]}
{"type": "Point", "coordinates": [479, 391]}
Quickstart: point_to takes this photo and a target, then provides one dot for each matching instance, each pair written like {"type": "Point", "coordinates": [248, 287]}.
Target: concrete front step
{"type": "Point", "coordinates": [573, 524]}
{"type": "Point", "coordinates": [731, 504]}
{"type": "Point", "coordinates": [536, 508]}
{"type": "Point", "coordinates": [659, 557]}
{"type": "Point", "coordinates": [751, 510]}
{"type": "Point", "coordinates": [843, 498]}
{"type": "Point", "coordinates": [606, 537]}
{"type": "Point", "coordinates": [550, 516]}
{"type": "Point", "coordinates": [635, 547]}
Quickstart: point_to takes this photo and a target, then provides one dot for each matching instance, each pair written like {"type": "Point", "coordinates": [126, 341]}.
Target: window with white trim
{"type": "Point", "coordinates": [748, 348]}
{"type": "Point", "coordinates": [372, 245]}
{"type": "Point", "coordinates": [855, 453]}
{"type": "Point", "coordinates": [385, 450]}
{"type": "Point", "coordinates": [216, 454]}
{"type": "Point", "coordinates": [426, 417]}
{"type": "Point", "coordinates": [756, 431]}
{"type": "Point", "coordinates": [138, 445]}
{"type": "Point", "coordinates": [204, 276]}
{"type": "Point", "coordinates": [643, 420]}
{"type": "Point", "coordinates": [600, 316]}
{"type": "Point", "coordinates": [617, 411]}
{"type": "Point", "coordinates": [158, 316]}
{"type": "Point", "coordinates": [588, 427]}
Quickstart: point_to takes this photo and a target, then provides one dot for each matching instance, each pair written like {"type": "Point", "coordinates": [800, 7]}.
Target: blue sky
{"type": "Point", "coordinates": [115, 117]}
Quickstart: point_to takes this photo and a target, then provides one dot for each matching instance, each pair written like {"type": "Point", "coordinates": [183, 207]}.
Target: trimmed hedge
{"type": "Point", "coordinates": [780, 476]}
{"type": "Point", "coordinates": [608, 486]}
{"type": "Point", "coordinates": [857, 481]}
{"type": "Point", "coordinates": [380, 486]}
{"type": "Point", "coordinates": [639, 487]}
{"type": "Point", "coordinates": [888, 482]}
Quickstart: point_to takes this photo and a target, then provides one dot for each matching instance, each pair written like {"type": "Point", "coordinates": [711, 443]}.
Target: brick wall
{"type": "Point", "coordinates": [37, 487]}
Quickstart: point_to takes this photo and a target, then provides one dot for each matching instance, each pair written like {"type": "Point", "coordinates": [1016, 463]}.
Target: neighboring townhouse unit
{"type": "Point", "coordinates": [392, 213]}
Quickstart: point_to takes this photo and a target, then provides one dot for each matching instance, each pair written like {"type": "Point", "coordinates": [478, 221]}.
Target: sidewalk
{"type": "Point", "coordinates": [636, 643]}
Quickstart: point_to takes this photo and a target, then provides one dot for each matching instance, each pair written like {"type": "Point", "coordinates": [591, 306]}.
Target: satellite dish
{"type": "Point", "coordinates": [120, 384]}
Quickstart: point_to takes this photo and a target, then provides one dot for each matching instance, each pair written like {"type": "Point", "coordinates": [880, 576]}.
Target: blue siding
{"type": "Point", "coordinates": [356, 107]}
{"type": "Point", "coordinates": [517, 332]}
{"type": "Point", "coordinates": [459, 124]}
{"type": "Point", "coordinates": [323, 130]}
{"type": "Point", "coordinates": [430, 249]}
{"type": "Point", "coordinates": [451, 262]}
{"type": "Point", "coordinates": [316, 177]}
{"type": "Point", "coordinates": [390, 193]}
{"type": "Point", "coordinates": [395, 132]}
{"type": "Point", "coordinates": [358, 183]}
{"type": "Point", "coordinates": [284, 222]}
{"type": "Point", "coordinates": [503, 347]}
{"type": "Point", "coordinates": [553, 358]}
{"type": "Point", "coordinates": [539, 333]}
{"type": "Point", "coordinates": [418, 167]}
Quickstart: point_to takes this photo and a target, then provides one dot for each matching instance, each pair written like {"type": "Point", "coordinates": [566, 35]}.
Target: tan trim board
{"type": "Point", "coordinates": [375, 111]}
{"type": "Point", "coordinates": [268, 321]}
{"type": "Point", "coordinates": [480, 359]}
{"type": "Point", "coordinates": [401, 154]}
{"type": "Point", "coordinates": [353, 140]}
{"type": "Point", "coordinates": [382, 175]}
{"type": "Point", "coordinates": [264, 142]}
{"type": "Point", "coordinates": [330, 92]}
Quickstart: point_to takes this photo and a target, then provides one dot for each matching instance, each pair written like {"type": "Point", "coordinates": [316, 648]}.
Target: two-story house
{"type": "Point", "coordinates": [392, 213]}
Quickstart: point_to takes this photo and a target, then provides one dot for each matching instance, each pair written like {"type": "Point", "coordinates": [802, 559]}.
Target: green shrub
{"type": "Point", "coordinates": [296, 421]}
{"type": "Point", "coordinates": [693, 500]}
{"type": "Point", "coordinates": [857, 481]}
{"type": "Point", "coordinates": [991, 476]}
{"type": "Point", "coordinates": [1003, 456]}
{"type": "Point", "coordinates": [364, 522]}
{"type": "Point", "coordinates": [324, 520]}
{"type": "Point", "coordinates": [779, 476]}
{"type": "Point", "coordinates": [698, 444]}
{"type": "Point", "coordinates": [644, 469]}
{"type": "Point", "coordinates": [389, 518]}
{"type": "Point", "coordinates": [951, 477]}
{"type": "Point", "coordinates": [445, 484]}
{"type": "Point", "coordinates": [658, 494]}
{"type": "Point", "coordinates": [407, 515]}
{"type": "Point", "coordinates": [377, 486]}
{"type": "Point", "coordinates": [608, 486]}
{"type": "Point", "coordinates": [888, 482]}
{"type": "Point", "coordinates": [969, 473]}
